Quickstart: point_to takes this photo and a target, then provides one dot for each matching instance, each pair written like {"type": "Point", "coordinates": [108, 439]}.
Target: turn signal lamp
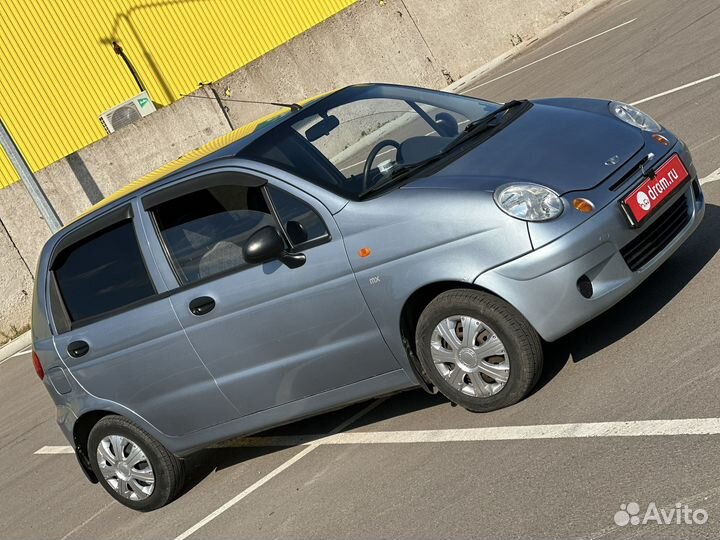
{"type": "Point", "coordinates": [583, 205]}
{"type": "Point", "coordinates": [659, 138]}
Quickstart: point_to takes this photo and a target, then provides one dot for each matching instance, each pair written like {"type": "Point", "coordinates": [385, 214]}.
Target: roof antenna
{"type": "Point", "coordinates": [224, 108]}
{"type": "Point", "coordinates": [291, 106]}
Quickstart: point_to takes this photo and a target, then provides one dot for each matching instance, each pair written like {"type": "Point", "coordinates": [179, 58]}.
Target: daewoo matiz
{"type": "Point", "coordinates": [374, 239]}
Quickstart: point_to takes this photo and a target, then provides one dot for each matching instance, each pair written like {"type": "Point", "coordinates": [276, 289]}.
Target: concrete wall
{"type": "Point", "coordinates": [419, 42]}
{"type": "Point", "coordinates": [15, 290]}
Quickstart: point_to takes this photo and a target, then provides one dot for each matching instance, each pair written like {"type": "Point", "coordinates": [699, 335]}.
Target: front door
{"type": "Point", "coordinates": [269, 334]}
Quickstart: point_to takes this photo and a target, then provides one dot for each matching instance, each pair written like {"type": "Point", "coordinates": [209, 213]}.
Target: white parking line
{"type": "Point", "coordinates": [638, 102]}
{"type": "Point", "coordinates": [638, 428]}
{"type": "Point", "coordinates": [712, 177]}
{"type": "Point", "coordinates": [232, 502]}
{"type": "Point", "coordinates": [635, 428]}
{"type": "Point", "coordinates": [88, 520]}
{"type": "Point", "coordinates": [548, 56]}
{"type": "Point", "coordinates": [677, 89]}
{"type": "Point", "coordinates": [19, 353]}
{"type": "Point", "coordinates": [272, 474]}
{"type": "Point", "coordinates": [52, 450]}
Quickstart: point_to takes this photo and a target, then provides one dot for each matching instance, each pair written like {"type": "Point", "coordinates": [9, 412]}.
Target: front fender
{"type": "Point", "coordinates": [418, 237]}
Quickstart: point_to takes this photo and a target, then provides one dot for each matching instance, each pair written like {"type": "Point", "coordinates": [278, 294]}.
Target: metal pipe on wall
{"type": "Point", "coordinates": [28, 179]}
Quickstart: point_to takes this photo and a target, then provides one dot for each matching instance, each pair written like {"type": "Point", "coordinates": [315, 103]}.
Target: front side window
{"type": "Point", "coordinates": [301, 223]}
{"type": "Point", "coordinates": [204, 231]}
{"type": "Point", "coordinates": [102, 273]}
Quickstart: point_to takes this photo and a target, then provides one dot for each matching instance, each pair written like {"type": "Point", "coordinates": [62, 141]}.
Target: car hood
{"type": "Point", "coordinates": [557, 145]}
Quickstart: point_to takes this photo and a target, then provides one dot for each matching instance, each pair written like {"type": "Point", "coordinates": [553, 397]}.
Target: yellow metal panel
{"type": "Point", "coordinates": [58, 71]}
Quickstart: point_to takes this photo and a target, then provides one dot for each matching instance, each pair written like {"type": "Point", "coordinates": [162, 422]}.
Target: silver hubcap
{"type": "Point", "coordinates": [470, 356]}
{"type": "Point", "coordinates": [125, 467]}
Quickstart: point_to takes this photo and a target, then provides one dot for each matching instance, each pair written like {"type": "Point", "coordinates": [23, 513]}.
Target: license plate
{"type": "Point", "coordinates": [645, 199]}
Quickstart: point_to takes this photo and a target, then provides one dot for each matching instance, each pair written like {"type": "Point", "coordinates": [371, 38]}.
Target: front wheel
{"type": "Point", "coordinates": [132, 466]}
{"type": "Point", "coordinates": [478, 350]}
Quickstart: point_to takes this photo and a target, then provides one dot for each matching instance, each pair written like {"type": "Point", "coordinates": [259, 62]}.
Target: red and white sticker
{"type": "Point", "coordinates": [645, 198]}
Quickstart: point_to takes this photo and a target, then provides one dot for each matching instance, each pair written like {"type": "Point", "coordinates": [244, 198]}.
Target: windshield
{"type": "Point", "coordinates": [358, 137]}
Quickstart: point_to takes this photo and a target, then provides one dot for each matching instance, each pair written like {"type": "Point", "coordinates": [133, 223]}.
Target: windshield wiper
{"type": "Point", "coordinates": [481, 125]}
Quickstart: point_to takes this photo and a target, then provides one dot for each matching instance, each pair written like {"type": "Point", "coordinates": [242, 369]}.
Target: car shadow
{"type": "Point", "coordinates": [633, 311]}
{"type": "Point", "coordinates": [201, 464]}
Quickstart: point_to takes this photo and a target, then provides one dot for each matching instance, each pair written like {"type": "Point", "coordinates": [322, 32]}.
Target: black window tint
{"type": "Point", "coordinates": [102, 273]}
{"type": "Point", "coordinates": [299, 220]}
{"type": "Point", "coordinates": [205, 230]}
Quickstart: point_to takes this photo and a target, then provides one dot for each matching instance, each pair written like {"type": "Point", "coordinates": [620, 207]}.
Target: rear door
{"type": "Point", "coordinates": [269, 334]}
{"type": "Point", "coordinates": [120, 337]}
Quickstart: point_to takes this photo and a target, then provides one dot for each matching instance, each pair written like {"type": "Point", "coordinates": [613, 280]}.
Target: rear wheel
{"type": "Point", "coordinates": [133, 467]}
{"type": "Point", "coordinates": [478, 350]}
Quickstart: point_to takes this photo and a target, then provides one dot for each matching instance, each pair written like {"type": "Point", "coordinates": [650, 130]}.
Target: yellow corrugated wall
{"type": "Point", "coordinates": [58, 71]}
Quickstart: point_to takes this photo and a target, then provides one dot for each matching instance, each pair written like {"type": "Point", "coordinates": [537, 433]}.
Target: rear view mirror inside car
{"type": "Point", "coordinates": [322, 128]}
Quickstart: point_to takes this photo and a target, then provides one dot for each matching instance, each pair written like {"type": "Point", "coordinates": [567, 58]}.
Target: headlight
{"type": "Point", "coordinates": [529, 202]}
{"type": "Point", "coordinates": [634, 116]}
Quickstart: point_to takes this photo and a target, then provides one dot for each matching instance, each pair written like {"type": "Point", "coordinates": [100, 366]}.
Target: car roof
{"type": "Point", "coordinates": [227, 145]}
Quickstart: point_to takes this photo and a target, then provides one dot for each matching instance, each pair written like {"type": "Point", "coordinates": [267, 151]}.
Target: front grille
{"type": "Point", "coordinates": [657, 236]}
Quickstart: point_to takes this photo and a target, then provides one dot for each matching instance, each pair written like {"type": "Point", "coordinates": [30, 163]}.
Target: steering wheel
{"type": "Point", "coordinates": [373, 154]}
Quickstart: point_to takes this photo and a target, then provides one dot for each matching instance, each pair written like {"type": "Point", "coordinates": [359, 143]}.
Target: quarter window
{"type": "Point", "coordinates": [102, 273]}
{"type": "Point", "coordinates": [205, 231]}
{"type": "Point", "coordinates": [301, 223]}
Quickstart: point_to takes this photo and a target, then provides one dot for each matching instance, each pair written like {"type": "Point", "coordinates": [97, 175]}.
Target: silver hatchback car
{"type": "Point", "coordinates": [373, 239]}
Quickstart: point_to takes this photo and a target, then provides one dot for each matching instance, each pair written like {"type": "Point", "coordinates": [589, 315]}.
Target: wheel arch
{"type": "Point", "coordinates": [410, 314]}
{"type": "Point", "coordinates": [81, 433]}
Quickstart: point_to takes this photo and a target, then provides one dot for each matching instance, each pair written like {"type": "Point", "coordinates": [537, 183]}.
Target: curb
{"type": "Point", "coordinates": [558, 25]}
{"type": "Point", "coordinates": [15, 346]}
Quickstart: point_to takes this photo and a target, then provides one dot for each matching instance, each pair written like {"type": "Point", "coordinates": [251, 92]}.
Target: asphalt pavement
{"type": "Point", "coordinates": [419, 468]}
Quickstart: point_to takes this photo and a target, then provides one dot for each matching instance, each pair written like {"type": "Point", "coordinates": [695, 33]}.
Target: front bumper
{"type": "Point", "coordinates": [542, 285]}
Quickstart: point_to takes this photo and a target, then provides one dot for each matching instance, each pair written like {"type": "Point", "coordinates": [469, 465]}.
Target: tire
{"type": "Point", "coordinates": [501, 344]}
{"type": "Point", "coordinates": [132, 474]}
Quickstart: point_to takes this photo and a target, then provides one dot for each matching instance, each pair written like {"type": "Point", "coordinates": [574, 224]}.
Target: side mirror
{"type": "Point", "coordinates": [265, 245]}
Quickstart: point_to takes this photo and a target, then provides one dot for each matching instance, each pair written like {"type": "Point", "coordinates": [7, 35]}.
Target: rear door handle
{"type": "Point", "coordinates": [202, 305]}
{"type": "Point", "coordinates": [78, 348]}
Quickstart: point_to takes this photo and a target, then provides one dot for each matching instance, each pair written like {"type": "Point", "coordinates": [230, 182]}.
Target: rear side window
{"type": "Point", "coordinates": [204, 231]}
{"type": "Point", "coordinates": [102, 273]}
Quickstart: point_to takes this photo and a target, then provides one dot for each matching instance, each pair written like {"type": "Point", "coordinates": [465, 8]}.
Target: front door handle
{"type": "Point", "coordinates": [202, 305]}
{"type": "Point", "coordinates": [78, 348]}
